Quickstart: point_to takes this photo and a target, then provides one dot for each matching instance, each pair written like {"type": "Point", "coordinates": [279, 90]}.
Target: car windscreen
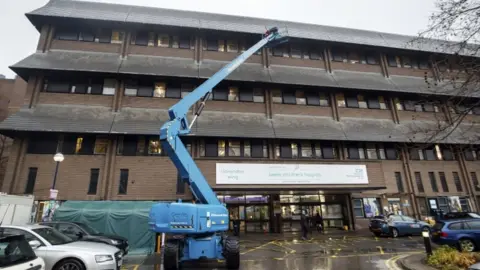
{"type": "Point", "coordinates": [87, 228]}
{"type": "Point", "coordinates": [53, 236]}
{"type": "Point", "coordinates": [15, 250]}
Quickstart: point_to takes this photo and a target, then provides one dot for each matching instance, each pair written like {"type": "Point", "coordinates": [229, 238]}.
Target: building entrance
{"type": "Point", "coordinates": [255, 213]}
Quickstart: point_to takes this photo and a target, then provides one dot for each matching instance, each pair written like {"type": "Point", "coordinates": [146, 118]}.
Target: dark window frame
{"type": "Point", "coordinates": [399, 181]}
{"type": "Point", "coordinates": [443, 181]}
{"type": "Point", "coordinates": [433, 181]}
{"type": "Point", "coordinates": [123, 182]}
{"type": "Point", "coordinates": [419, 182]}
{"type": "Point", "coordinates": [93, 184]}
{"type": "Point", "coordinates": [31, 180]}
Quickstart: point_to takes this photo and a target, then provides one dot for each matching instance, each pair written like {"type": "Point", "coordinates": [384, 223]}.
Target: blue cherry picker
{"type": "Point", "coordinates": [198, 229]}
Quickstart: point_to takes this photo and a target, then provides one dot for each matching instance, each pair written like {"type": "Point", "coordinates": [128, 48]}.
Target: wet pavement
{"type": "Point", "coordinates": [357, 252]}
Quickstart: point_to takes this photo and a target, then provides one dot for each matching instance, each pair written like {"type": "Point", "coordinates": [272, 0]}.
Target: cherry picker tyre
{"type": "Point", "coordinates": [232, 253]}
{"type": "Point", "coordinates": [171, 260]}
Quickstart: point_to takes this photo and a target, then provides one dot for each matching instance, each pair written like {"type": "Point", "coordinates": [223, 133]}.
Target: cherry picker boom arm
{"type": "Point", "coordinates": [178, 124]}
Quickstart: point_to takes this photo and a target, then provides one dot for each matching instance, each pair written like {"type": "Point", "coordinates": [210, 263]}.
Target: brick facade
{"type": "Point", "coordinates": [358, 97]}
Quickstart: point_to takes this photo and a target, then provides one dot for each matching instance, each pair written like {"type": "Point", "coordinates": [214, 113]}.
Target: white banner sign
{"type": "Point", "coordinates": [290, 174]}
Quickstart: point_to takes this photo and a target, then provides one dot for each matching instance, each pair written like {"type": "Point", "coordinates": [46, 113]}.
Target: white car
{"type": "Point", "coordinates": [60, 252]}
{"type": "Point", "coordinates": [16, 254]}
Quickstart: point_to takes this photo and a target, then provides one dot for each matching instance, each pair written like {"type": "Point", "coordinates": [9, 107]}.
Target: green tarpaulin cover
{"type": "Point", "coordinates": [125, 218]}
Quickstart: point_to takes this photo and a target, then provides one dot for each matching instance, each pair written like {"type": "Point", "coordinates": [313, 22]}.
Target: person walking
{"type": "Point", "coordinates": [304, 225]}
{"type": "Point", "coordinates": [319, 222]}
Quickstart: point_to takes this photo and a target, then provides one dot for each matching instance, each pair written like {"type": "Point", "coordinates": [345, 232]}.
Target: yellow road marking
{"type": "Point", "coordinates": [253, 249]}
{"type": "Point", "coordinates": [369, 254]}
{"type": "Point", "coordinates": [381, 250]}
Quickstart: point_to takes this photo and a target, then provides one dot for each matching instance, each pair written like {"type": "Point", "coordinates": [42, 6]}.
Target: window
{"type": "Point", "coordinates": [131, 88]}
{"type": "Point", "coordinates": [316, 98]}
{"type": "Point", "coordinates": [212, 44]}
{"type": "Point", "coordinates": [42, 144]}
{"type": "Point", "coordinates": [392, 61]}
{"type": "Point", "coordinates": [289, 97]}
{"type": "Point", "coordinates": [391, 152]}
{"type": "Point", "coordinates": [443, 181]}
{"type": "Point", "coordinates": [32, 178]}
{"type": "Point", "coordinates": [371, 59]}
{"type": "Point", "coordinates": [398, 178]}
{"type": "Point", "coordinates": [305, 149]}
{"type": "Point", "coordinates": [418, 180]}
{"type": "Point", "coordinates": [154, 147]}
{"type": "Point", "coordinates": [456, 226]}
{"type": "Point", "coordinates": [338, 55]}
{"type": "Point", "coordinates": [458, 183]}
{"type": "Point", "coordinates": [159, 89]}
{"type": "Point", "coordinates": [433, 181]}
{"type": "Point", "coordinates": [300, 97]}
{"type": "Point", "coordinates": [352, 101]}
{"type": "Point", "coordinates": [184, 42]}
{"type": "Point", "coordinates": [470, 154]}
{"type": "Point", "coordinates": [447, 153]}
{"type": "Point", "coordinates": [122, 187]}
{"type": "Point", "coordinates": [220, 94]}
{"type": "Point", "coordinates": [475, 181]}
{"type": "Point", "coordinates": [276, 96]}
{"type": "Point", "coordinates": [101, 145]}
{"type": "Point", "coordinates": [473, 225]}
{"type": "Point", "coordinates": [234, 148]}
{"type": "Point", "coordinates": [66, 34]}
{"type": "Point", "coordinates": [174, 90]}
{"type": "Point", "coordinates": [92, 187]}
{"type": "Point", "coordinates": [180, 184]}
{"type": "Point", "coordinates": [358, 208]}
{"type": "Point", "coordinates": [232, 94]}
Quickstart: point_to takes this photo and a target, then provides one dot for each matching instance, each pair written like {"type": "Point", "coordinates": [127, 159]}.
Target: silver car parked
{"type": "Point", "coordinates": [60, 252]}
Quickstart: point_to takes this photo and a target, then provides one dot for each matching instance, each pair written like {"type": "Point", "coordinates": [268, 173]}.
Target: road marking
{"type": "Point", "coordinates": [253, 249]}
{"type": "Point", "coordinates": [369, 254]}
{"type": "Point", "coordinates": [381, 249]}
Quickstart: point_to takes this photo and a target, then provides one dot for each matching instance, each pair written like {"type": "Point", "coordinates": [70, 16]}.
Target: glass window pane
{"type": "Point", "coordinates": [306, 150]}
{"type": "Point", "coordinates": [163, 40]}
{"type": "Point", "coordinates": [371, 151]}
{"type": "Point", "coordinates": [154, 147]}
{"type": "Point", "coordinates": [341, 100]}
{"type": "Point", "coordinates": [233, 94]}
{"type": "Point", "coordinates": [159, 90]}
{"type": "Point", "coordinates": [361, 102]}
{"type": "Point", "coordinates": [294, 150]}
{"type": "Point", "coordinates": [233, 148]}
{"type": "Point", "coordinates": [221, 148]}
{"type": "Point", "coordinates": [300, 96]}
{"type": "Point", "coordinates": [258, 95]}
{"type": "Point", "coordinates": [109, 87]}
{"type": "Point", "coordinates": [277, 96]}
{"type": "Point", "coordinates": [246, 149]}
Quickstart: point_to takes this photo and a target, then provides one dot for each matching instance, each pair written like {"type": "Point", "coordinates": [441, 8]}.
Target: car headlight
{"type": "Point", "coordinates": [103, 258]}
{"type": "Point", "coordinates": [114, 242]}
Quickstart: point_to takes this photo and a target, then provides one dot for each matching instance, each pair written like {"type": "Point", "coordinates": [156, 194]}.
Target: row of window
{"type": "Point", "coordinates": [172, 89]}
{"type": "Point", "coordinates": [443, 181]}
{"type": "Point", "coordinates": [93, 183]}
{"type": "Point", "coordinates": [130, 145]}
{"type": "Point", "coordinates": [90, 35]}
{"type": "Point", "coordinates": [81, 86]}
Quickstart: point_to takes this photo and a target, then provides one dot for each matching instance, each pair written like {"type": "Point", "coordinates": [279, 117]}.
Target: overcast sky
{"type": "Point", "coordinates": [393, 16]}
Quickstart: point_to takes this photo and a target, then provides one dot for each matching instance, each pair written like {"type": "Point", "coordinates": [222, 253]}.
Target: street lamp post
{"type": "Point", "coordinates": [53, 192]}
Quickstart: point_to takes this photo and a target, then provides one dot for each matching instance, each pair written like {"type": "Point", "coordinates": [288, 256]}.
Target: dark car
{"type": "Point", "coordinates": [460, 215]}
{"type": "Point", "coordinates": [463, 234]}
{"type": "Point", "coordinates": [396, 225]}
{"type": "Point", "coordinates": [82, 231]}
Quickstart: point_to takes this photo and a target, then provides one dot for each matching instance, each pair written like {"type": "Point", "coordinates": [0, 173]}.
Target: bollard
{"type": "Point", "coordinates": [426, 241]}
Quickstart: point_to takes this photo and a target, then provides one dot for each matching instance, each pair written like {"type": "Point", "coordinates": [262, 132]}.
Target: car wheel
{"type": "Point", "coordinates": [394, 232]}
{"type": "Point", "coordinates": [466, 245]}
{"type": "Point", "coordinates": [70, 264]}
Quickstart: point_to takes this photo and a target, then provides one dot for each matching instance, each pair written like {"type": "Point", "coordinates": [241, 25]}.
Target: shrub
{"type": "Point", "coordinates": [449, 258]}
